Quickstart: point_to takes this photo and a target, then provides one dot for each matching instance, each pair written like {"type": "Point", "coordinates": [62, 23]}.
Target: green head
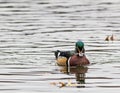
{"type": "Point", "coordinates": [79, 46]}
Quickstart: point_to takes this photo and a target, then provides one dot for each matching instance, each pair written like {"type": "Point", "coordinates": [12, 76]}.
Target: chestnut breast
{"type": "Point", "coordinates": [76, 60]}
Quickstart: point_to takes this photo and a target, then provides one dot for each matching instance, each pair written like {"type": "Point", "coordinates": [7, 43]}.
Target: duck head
{"type": "Point", "coordinates": [79, 48]}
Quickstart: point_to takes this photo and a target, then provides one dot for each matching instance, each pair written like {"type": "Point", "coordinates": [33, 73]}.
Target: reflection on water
{"type": "Point", "coordinates": [79, 73]}
{"type": "Point", "coordinates": [79, 76]}
{"type": "Point", "coordinates": [30, 30]}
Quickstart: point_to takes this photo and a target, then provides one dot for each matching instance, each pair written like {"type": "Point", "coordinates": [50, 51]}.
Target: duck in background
{"type": "Point", "coordinates": [110, 38]}
{"type": "Point", "coordinates": [107, 38]}
{"type": "Point", "coordinates": [72, 58]}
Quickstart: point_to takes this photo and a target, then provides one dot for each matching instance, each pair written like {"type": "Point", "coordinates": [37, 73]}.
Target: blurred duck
{"type": "Point", "coordinates": [107, 38]}
{"type": "Point", "coordinates": [110, 38]}
{"type": "Point", "coordinates": [72, 58]}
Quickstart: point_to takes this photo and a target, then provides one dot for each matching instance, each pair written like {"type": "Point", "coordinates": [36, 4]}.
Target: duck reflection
{"type": "Point", "coordinates": [79, 74]}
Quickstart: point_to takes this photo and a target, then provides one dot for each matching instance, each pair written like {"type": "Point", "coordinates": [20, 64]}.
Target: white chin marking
{"type": "Point", "coordinates": [80, 54]}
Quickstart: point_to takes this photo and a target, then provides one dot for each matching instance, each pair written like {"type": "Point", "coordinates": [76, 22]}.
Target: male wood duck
{"type": "Point", "coordinates": [72, 58]}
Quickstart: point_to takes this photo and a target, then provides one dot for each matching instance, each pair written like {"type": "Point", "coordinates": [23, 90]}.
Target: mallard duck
{"type": "Point", "coordinates": [72, 58]}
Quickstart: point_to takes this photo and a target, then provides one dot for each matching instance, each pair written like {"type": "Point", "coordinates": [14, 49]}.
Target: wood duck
{"type": "Point", "coordinates": [72, 58]}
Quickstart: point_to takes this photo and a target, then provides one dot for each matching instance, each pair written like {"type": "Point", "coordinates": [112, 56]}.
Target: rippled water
{"type": "Point", "coordinates": [30, 30]}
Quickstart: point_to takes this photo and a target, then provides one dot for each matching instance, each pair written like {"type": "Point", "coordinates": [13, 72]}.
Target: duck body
{"type": "Point", "coordinates": [63, 56]}
{"type": "Point", "coordinates": [72, 58]}
{"type": "Point", "coordinates": [77, 60]}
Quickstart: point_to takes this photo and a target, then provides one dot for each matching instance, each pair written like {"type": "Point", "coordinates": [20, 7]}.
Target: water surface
{"type": "Point", "coordinates": [30, 30]}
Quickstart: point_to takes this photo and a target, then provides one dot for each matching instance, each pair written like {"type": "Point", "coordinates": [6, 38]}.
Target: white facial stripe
{"type": "Point", "coordinates": [58, 54]}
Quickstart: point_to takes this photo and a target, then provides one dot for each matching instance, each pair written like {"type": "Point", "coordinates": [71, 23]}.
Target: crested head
{"type": "Point", "coordinates": [79, 46]}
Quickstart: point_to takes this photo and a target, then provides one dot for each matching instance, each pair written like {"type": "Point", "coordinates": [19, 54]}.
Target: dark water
{"type": "Point", "coordinates": [30, 30]}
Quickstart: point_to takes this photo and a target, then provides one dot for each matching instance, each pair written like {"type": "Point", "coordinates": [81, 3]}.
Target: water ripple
{"type": "Point", "coordinates": [31, 30]}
